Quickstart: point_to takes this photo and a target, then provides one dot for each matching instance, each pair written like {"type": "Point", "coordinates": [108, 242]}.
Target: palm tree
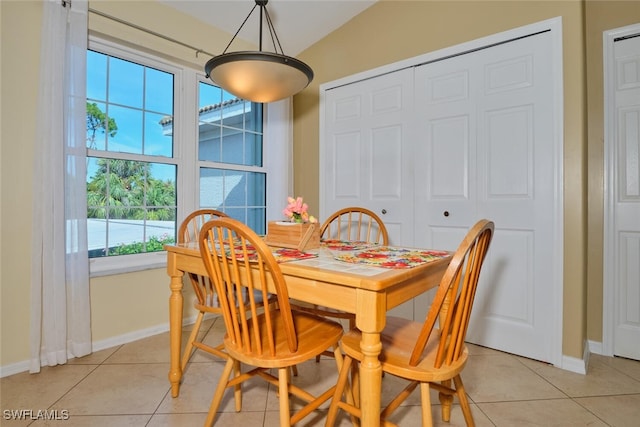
{"type": "Point", "coordinates": [97, 122]}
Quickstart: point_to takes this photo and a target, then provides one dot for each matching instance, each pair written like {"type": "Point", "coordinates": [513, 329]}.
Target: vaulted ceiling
{"type": "Point", "coordinates": [298, 23]}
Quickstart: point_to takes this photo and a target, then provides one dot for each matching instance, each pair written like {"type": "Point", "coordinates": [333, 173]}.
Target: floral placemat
{"type": "Point", "coordinates": [285, 255]}
{"type": "Point", "coordinates": [345, 245]}
{"type": "Point", "coordinates": [392, 257]}
{"type": "Point", "coordinates": [280, 254]}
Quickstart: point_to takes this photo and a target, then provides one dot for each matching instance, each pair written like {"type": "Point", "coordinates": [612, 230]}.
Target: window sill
{"type": "Point", "coordinates": [109, 266]}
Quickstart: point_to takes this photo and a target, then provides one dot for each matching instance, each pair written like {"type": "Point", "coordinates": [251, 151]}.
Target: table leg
{"type": "Point", "coordinates": [175, 333]}
{"type": "Point", "coordinates": [371, 317]}
{"type": "Point", "coordinates": [370, 379]}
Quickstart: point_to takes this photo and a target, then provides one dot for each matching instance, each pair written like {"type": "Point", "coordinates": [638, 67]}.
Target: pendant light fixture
{"type": "Point", "coordinates": [259, 76]}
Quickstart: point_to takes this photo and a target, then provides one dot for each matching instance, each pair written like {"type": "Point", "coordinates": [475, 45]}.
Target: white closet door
{"type": "Point", "coordinates": [367, 155]}
{"type": "Point", "coordinates": [627, 198]}
{"type": "Point", "coordinates": [367, 151]}
{"type": "Point", "coordinates": [487, 150]}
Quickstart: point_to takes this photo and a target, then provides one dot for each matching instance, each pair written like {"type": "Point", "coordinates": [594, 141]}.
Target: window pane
{"type": "Point", "coordinates": [253, 149]}
{"type": "Point", "coordinates": [233, 113]}
{"type": "Point", "coordinates": [98, 126]}
{"type": "Point", "coordinates": [239, 194]}
{"type": "Point", "coordinates": [126, 83]}
{"type": "Point", "coordinates": [256, 189]}
{"type": "Point", "coordinates": [131, 206]}
{"type": "Point", "coordinates": [158, 91]}
{"type": "Point", "coordinates": [128, 138]}
{"type": "Point", "coordinates": [209, 136]}
{"type": "Point", "coordinates": [232, 146]}
{"type": "Point", "coordinates": [97, 73]}
{"type": "Point", "coordinates": [156, 141]}
{"type": "Point", "coordinates": [212, 184]}
{"type": "Point", "coordinates": [224, 125]}
{"type": "Point", "coordinates": [130, 106]}
{"type": "Point", "coordinates": [257, 220]}
{"type": "Point", "coordinates": [208, 95]}
{"type": "Point", "coordinates": [253, 119]}
{"type": "Point", "coordinates": [230, 132]}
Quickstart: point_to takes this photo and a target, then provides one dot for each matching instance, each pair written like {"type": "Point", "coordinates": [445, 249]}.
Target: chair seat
{"type": "Point", "coordinates": [398, 340]}
{"type": "Point", "coordinates": [315, 334]}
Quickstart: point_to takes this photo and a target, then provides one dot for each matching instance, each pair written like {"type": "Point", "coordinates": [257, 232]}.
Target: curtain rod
{"type": "Point", "coordinates": [153, 33]}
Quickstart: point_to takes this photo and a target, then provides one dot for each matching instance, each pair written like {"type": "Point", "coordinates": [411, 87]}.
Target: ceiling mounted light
{"type": "Point", "coordinates": [259, 76]}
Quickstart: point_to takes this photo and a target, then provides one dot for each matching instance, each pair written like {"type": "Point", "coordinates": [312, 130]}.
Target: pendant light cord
{"type": "Point", "coordinates": [242, 25]}
{"type": "Point", "coordinates": [272, 31]}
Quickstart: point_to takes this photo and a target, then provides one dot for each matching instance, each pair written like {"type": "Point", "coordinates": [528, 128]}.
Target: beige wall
{"type": "Point", "coordinates": [20, 59]}
{"type": "Point", "coordinates": [387, 32]}
{"type": "Point", "coordinates": [394, 30]}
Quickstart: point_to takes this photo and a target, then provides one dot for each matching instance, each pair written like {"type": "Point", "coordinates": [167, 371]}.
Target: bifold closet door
{"type": "Point", "coordinates": [487, 151]}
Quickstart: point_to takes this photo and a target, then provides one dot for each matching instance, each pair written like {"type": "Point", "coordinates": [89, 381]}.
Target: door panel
{"type": "Point", "coordinates": [368, 151]}
{"type": "Point", "coordinates": [488, 147]}
{"type": "Point", "coordinates": [627, 206]}
{"type": "Point", "coordinates": [368, 154]}
{"type": "Point", "coordinates": [347, 183]}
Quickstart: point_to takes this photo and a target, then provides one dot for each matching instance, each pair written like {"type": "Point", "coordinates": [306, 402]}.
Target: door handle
{"type": "Point", "coordinates": [446, 213]}
{"type": "Point", "coordinates": [384, 211]}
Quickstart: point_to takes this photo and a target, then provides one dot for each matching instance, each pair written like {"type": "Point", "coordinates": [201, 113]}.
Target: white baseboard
{"type": "Point", "coordinates": [129, 337]}
{"type": "Point", "coordinates": [574, 364]}
{"type": "Point", "coordinates": [595, 347]}
{"type": "Point", "coordinates": [16, 368]}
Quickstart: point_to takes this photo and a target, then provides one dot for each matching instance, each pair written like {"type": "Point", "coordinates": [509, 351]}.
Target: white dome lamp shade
{"type": "Point", "coordinates": [259, 76]}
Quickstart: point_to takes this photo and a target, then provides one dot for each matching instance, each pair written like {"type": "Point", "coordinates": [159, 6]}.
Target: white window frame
{"type": "Point", "coordinates": [277, 152]}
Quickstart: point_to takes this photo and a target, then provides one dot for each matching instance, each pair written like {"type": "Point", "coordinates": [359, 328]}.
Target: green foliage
{"type": "Point", "coordinates": [153, 245]}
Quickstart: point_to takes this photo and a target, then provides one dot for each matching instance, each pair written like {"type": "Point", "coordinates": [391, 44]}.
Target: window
{"type": "Point", "coordinates": [131, 172]}
{"type": "Point", "coordinates": [231, 175]}
{"type": "Point", "coordinates": [161, 142]}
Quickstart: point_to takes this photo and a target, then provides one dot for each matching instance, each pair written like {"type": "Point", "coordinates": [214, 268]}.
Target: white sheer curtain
{"type": "Point", "coordinates": [60, 312]}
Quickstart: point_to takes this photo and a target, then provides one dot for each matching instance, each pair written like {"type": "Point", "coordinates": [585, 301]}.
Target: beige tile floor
{"type": "Point", "coordinates": [128, 386]}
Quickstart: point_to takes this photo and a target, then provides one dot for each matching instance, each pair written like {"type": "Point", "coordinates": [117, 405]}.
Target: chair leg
{"type": "Point", "coordinates": [425, 400]}
{"type": "Point", "coordinates": [340, 388]}
{"type": "Point", "coordinates": [237, 389]}
{"type": "Point", "coordinates": [217, 396]}
{"type": "Point", "coordinates": [283, 388]}
{"type": "Point", "coordinates": [192, 337]}
{"type": "Point", "coordinates": [446, 401]}
{"type": "Point", "coordinates": [464, 402]}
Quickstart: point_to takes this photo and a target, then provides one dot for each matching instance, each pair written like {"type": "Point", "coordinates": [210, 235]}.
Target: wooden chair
{"type": "Point", "coordinates": [206, 300]}
{"type": "Point", "coordinates": [354, 224]}
{"type": "Point", "coordinates": [261, 336]}
{"type": "Point", "coordinates": [417, 352]}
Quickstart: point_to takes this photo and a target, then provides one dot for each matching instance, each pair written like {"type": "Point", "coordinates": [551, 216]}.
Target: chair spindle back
{"type": "Point", "coordinates": [188, 232]}
{"type": "Point", "coordinates": [240, 263]}
{"type": "Point", "coordinates": [454, 298]}
{"type": "Point", "coordinates": [355, 224]}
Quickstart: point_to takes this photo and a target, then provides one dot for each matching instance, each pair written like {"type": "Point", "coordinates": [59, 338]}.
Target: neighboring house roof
{"type": "Point", "coordinates": [206, 109]}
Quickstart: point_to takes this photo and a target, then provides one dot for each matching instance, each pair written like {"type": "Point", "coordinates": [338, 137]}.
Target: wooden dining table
{"type": "Point", "coordinates": [365, 290]}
